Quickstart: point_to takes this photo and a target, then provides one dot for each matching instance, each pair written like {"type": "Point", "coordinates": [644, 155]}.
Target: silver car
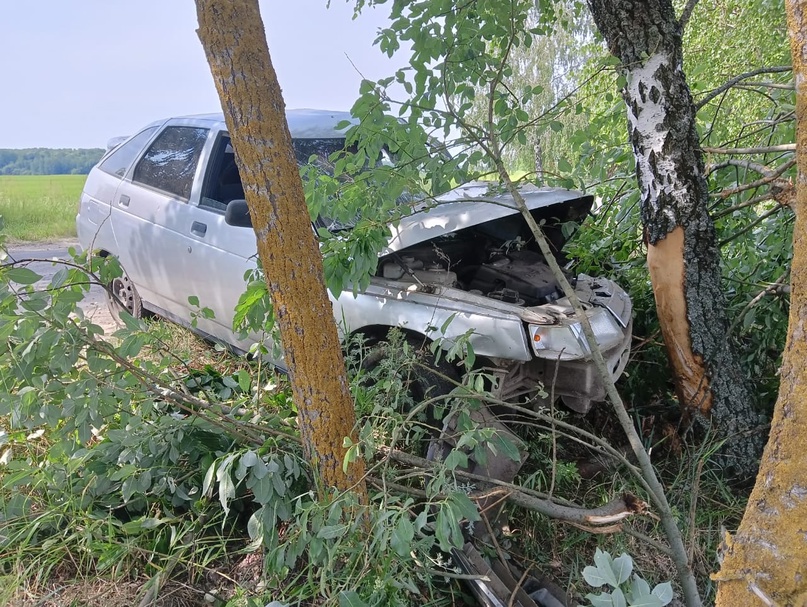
{"type": "Point", "coordinates": [159, 200]}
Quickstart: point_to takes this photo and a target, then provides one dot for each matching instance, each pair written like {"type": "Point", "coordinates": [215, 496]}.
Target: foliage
{"type": "Point", "coordinates": [122, 459]}
{"type": "Point", "coordinates": [48, 161]}
{"type": "Point", "coordinates": [628, 589]}
{"type": "Point", "coordinates": [454, 54]}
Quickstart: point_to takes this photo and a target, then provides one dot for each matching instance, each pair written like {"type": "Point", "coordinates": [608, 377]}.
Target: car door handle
{"type": "Point", "coordinates": [123, 200]}
{"type": "Point", "coordinates": [198, 228]}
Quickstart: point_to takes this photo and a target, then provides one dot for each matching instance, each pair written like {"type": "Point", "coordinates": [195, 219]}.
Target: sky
{"type": "Point", "coordinates": [77, 73]}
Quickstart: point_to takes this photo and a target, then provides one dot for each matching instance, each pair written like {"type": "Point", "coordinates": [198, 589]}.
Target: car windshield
{"type": "Point", "coordinates": [317, 152]}
{"type": "Point", "coordinates": [304, 149]}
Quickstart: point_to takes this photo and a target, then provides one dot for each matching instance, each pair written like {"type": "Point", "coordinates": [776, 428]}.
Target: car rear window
{"type": "Point", "coordinates": [170, 162]}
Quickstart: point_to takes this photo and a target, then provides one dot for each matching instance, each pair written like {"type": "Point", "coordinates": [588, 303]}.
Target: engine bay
{"type": "Point", "coordinates": [499, 259]}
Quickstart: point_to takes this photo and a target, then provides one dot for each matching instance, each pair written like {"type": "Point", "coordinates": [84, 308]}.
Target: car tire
{"type": "Point", "coordinates": [122, 295]}
{"type": "Point", "coordinates": [428, 379]}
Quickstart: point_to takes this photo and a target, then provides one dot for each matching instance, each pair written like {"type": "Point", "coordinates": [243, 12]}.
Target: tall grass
{"type": "Point", "coordinates": [40, 207]}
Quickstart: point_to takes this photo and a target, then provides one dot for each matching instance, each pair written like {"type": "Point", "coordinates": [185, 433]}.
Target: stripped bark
{"type": "Point", "coordinates": [683, 255]}
{"type": "Point", "coordinates": [764, 562]}
{"type": "Point", "coordinates": [232, 34]}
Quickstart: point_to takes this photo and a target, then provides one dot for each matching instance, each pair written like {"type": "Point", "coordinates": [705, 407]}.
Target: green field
{"type": "Point", "coordinates": [39, 207]}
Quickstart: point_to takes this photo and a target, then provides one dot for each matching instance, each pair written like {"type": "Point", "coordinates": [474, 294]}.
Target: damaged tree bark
{"type": "Point", "coordinates": [683, 257]}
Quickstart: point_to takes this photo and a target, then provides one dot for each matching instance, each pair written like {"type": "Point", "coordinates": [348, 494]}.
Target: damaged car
{"type": "Point", "coordinates": [169, 204]}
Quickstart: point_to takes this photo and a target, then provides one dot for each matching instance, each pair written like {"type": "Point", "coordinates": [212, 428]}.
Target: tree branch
{"type": "Point", "coordinates": [776, 287]}
{"type": "Point", "coordinates": [686, 13]}
{"type": "Point", "coordinates": [769, 149]}
{"type": "Point", "coordinates": [614, 511]}
{"type": "Point", "coordinates": [750, 226]}
{"type": "Point", "coordinates": [770, 176]}
{"type": "Point", "coordinates": [744, 76]}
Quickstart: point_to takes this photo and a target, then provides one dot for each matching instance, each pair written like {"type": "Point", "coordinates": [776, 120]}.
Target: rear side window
{"type": "Point", "coordinates": [122, 157]}
{"type": "Point", "coordinates": [170, 162]}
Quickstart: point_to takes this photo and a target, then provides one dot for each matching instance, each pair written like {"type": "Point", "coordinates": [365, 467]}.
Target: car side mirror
{"type": "Point", "coordinates": [237, 214]}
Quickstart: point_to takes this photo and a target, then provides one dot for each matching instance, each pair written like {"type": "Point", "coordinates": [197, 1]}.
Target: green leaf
{"type": "Point", "coordinates": [249, 459]}
{"type": "Point", "coordinates": [123, 472]}
{"type": "Point", "coordinates": [447, 528]}
{"type": "Point", "coordinates": [646, 600]}
{"type": "Point", "coordinates": [564, 166]}
{"type": "Point", "coordinates": [663, 592]}
{"type": "Point", "coordinates": [263, 489]}
{"type": "Point", "coordinates": [456, 459]}
{"type": "Point", "coordinates": [639, 586]}
{"type": "Point", "coordinates": [330, 532]}
{"type": "Point", "coordinates": [402, 536]}
{"type": "Point", "coordinates": [618, 598]}
{"type": "Point", "coordinates": [59, 278]}
{"type": "Point", "coordinates": [130, 321]}
{"type": "Point", "coordinates": [207, 485]}
{"type": "Point", "coordinates": [255, 524]}
{"type": "Point", "coordinates": [152, 523]}
{"type": "Point", "coordinates": [506, 445]}
{"type": "Point", "coordinates": [463, 507]}
{"type": "Point", "coordinates": [23, 276]}
{"type": "Point", "coordinates": [448, 321]}
{"type": "Point", "coordinates": [244, 379]}
{"type": "Point", "coordinates": [593, 577]}
{"type": "Point", "coordinates": [623, 567]}
{"type": "Point", "coordinates": [605, 565]}
{"type": "Point", "coordinates": [350, 598]}
{"type": "Point", "coordinates": [600, 600]}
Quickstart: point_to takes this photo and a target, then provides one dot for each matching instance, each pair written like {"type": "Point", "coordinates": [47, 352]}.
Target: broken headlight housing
{"type": "Point", "coordinates": [566, 341]}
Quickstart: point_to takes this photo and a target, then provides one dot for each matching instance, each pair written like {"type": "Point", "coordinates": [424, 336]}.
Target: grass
{"type": "Point", "coordinates": [39, 207]}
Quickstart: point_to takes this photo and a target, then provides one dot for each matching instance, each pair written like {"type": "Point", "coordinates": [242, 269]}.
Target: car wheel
{"type": "Point", "coordinates": [425, 380]}
{"type": "Point", "coordinates": [122, 295]}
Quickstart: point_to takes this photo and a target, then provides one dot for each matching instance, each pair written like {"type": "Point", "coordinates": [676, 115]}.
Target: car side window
{"type": "Point", "coordinates": [223, 181]}
{"type": "Point", "coordinates": [121, 158]}
{"type": "Point", "coordinates": [170, 162]}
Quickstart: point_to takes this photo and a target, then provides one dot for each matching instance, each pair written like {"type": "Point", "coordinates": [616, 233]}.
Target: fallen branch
{"type": "Point", "coordinates": [613, 512]}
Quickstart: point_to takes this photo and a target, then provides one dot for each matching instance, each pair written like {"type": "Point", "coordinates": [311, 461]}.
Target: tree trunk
{"type": "Point", "coordinates": [766, 558]}
{"type": "Point", "coordinates": [232, 34]}
{"type": "Point", "coordinates": [683, 257]}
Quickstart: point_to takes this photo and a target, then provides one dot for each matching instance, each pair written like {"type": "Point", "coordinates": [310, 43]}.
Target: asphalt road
{"type": "Point", "coordinates": [42, 256]}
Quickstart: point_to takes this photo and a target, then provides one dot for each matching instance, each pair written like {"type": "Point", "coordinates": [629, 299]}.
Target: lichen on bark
{"type": "Point", "coordinates": [766, 557]}
{"type": "Point", "coordinates": [232, 34]}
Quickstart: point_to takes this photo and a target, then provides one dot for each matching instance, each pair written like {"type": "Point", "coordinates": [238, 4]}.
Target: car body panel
{"type": "Point", "coordinates": [174, 247]}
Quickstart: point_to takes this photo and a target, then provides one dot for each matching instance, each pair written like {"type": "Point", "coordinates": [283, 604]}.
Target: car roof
{"type": "Point", "coordinates": [303, 123]}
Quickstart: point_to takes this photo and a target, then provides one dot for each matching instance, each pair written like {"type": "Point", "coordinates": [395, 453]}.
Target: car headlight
{"type": "Point", "coordinates": [566, 340]}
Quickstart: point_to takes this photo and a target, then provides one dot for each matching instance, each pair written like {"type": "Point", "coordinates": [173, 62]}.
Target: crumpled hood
{"type": "Point", "coordinates": [470, 205]}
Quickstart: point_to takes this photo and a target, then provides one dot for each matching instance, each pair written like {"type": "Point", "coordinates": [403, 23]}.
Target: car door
{"type": "Point", "coordinates": [151, 217]}
{"type": "Point", "coordinates": [222, 253]}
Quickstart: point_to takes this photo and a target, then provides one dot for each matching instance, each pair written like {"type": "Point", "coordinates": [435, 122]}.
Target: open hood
{"type": "Point", "coordinates": [470, 205]}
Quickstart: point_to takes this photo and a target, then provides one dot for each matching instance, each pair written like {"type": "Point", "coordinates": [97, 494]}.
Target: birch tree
{"type": "Point", "coordinates": [682, 253]}
{"type": "Point", "coordinates": [232, 34]}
